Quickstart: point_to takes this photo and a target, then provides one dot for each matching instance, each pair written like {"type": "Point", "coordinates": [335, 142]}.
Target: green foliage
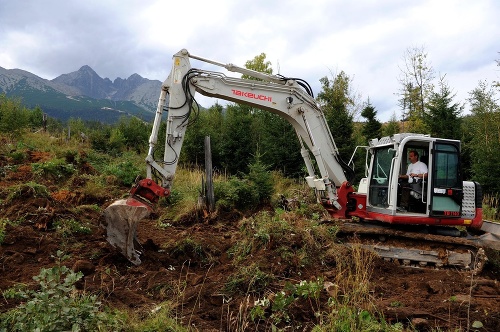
{"type": "Point", "coordinates": [116, 141]}
{"type": "Point", "coordinates": [56, 305]}
{"type": "Point", "coordinates": [416, 87]}
{"type": "Point", "coordinates": [126, 172]}
{"type": "Point", "coordinates": [442, 116]}
{"type": "Point", "coordinates": [100, 161]}
{"type": "Point", "coordinates": [246, 193]}
{"type": "Point", "coordinates": [29, 189]}
{"type": "Point", "coordinates": [372, 127]}
{"type": "Point", "coordinates": [208, 123]}
{"type": "Point", "coordinates": [175, 197]}
{"type": "Point", "coordinates": [236, 193]}
{"type": "Point", "coordinates": [241, 129]}
{"type": "Point", "coordinates": [35, 118]}
{"type": "Point", "coordinates": [258, 63]}
{"type": "Point", "coordinates": [345, 319]}
{"type": "Point", "coordinates": [135, 133]}
{"type": "Point", "coordinates": [491, 207]}
{"type": "Point", "coordinates": [18, 156]}
{"type": "Point", "coordinates": [189, 247]}
{"type": "Point", "coordinates": [337, 101]}
{"type": "Point", "coordinates": [278, 144]}
{"type": "Point", "coordinates": [248, 279]}
{"type": "Point", "coordinates": [76, 127]}
{"type": "Point", "coordinates": [99, 138]}
{"type": "Point", "coordinates": [482, 137]}
{"type": "Point", "coordinates": [70, 227]}
{"type": "Point", "coordinates": [240, 133]}
{"type": "Point", "coordinates": [237, 139]}
{"type": "Point", "coordinates": [14, 117]}
{"type": "Point", "coordinates": [3, 224]}
{"type": "Point", "coordinates": [262, 178]}
{"type": "Point", "coordinates": [55, 169]}
{"type": "Point", "coordinates": [160, 319]}
{"type": "Point", "coordinates": [280, 304]}
{"type": "Point", "coordinates": [392, 127]}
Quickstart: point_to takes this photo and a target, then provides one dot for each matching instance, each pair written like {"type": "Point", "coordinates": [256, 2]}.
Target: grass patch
{"type": "Point", "coordinates": [160, 318]}
{"type": "Point", "coordinates": [491, 207]}
{"type": "Point", "coordinates": [29, 189]}
{"type": "Point", "coordinates": [3, 224]}
{"type": "Point", "coordinates": [248, 279]}
{"type": "Point", "coordinates": [70, 227]}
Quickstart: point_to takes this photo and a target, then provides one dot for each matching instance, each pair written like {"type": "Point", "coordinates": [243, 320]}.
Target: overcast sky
{"type": "Point", "coordinates": [307, 39]}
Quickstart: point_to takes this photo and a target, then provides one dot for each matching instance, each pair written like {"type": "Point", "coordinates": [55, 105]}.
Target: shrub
{"type": "Point", "coordinates": [55, 169]}
{"type": "Point", "coordinates": [125, 172]}
{"type": "Point", "coordinates": [247, 192]}
{"type": "Point", "coordinates": [262, 179]}
{"type": "Point", "coordinates": [281, 301]}
{"type": "Point", "coordinates": [236, 194]}
{"type": "Point", "coordinates": [56, 306]}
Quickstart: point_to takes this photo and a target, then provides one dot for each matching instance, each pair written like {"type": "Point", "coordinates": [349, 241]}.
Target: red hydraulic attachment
{"type": "Point", "coordinates": [147, 191]}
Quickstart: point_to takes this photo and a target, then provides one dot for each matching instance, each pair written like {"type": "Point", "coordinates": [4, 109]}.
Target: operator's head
{"type": "Point", "coordinates": [413, 156]}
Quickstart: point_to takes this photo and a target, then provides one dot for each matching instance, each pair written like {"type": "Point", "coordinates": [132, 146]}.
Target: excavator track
{"type": "Point", "coordinates": [415, 247]}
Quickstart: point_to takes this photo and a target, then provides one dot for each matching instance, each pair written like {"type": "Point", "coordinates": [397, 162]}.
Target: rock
{"type": "Point", "coordinates": [84, 266]}
{"type": "Point", "coordinates": [420, 323]}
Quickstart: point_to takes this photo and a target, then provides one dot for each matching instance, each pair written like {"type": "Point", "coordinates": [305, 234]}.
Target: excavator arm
{"type": "Point", "coordinates": [289, 98]}
{"type": "Point", "coordinates": [285, 97]}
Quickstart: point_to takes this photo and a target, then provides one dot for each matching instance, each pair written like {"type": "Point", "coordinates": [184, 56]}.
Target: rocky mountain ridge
{"type": "Point", "coordinates": [83, 93]}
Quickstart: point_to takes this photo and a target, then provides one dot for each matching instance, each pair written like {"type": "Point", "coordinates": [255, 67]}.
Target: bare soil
{"type": "Point", "coordinates": [194, 281]}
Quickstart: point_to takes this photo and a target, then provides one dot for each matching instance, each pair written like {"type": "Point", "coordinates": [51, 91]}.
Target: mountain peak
{"type": "Point", "coordinates": [87, 68]}
{"type": "Point", "coordinates": [84, 82]}
{"type": "Point", "coordinates": [87, 82]}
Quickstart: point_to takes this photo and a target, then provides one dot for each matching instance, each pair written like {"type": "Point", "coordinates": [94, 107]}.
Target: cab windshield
{"type": "Point", "coordinates": [379, 179]}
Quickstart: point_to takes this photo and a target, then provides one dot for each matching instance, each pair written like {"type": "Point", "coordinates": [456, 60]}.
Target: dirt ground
{"type": "Point", "coordinates": [425, 298]}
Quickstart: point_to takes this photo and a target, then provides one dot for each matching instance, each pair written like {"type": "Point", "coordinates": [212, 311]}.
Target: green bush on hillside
{"type": "Point", "coordinates": [56, 305]}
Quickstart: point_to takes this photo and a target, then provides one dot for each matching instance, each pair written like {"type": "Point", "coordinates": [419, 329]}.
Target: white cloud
{"type": "Point", "coordinates": [305, 39]}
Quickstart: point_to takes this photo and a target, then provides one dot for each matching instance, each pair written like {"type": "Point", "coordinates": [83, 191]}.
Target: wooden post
{"type": "Point", "coordinates": [209, 194]}
{"type": "Point", "coordinates": [44, 122]}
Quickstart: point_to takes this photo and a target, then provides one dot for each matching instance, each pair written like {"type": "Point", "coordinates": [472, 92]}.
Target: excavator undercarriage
{"type": "Point", "coordinates": [420, 247]}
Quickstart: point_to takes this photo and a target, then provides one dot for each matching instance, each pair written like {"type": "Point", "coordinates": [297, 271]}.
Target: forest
{"type": "Point", "coordinates": [239, 134]}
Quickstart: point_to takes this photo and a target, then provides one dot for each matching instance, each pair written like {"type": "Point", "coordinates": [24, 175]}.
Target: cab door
{"type": "Point", "coordinates": [446, 190]}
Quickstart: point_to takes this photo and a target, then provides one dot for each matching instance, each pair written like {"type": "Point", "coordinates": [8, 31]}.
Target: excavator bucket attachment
{"type": "Point", "coordinates": [122, 218]}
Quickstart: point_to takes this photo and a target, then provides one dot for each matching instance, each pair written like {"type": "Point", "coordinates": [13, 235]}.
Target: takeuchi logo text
{"type": "Point", "coordinates": [251, 95]}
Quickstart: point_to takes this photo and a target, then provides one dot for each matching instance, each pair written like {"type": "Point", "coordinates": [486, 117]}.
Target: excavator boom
{"type": "Point", "coordinates": [442, 198]}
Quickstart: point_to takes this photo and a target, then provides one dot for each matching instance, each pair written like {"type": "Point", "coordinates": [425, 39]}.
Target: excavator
{"type": "Point", "coordinates": [432, 208]}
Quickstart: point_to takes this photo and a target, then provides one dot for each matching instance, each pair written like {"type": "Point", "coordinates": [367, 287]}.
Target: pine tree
{"type": "Point", "coordinates": [336, 100]}
{"type": "Point", "coordinates": [372, 127]}
{"type": "Point", "coordinates": [442, 116]}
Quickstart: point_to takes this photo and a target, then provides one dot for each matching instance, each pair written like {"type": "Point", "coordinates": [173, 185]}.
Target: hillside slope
{"type": "Point", "coordinates": [212, 268]}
